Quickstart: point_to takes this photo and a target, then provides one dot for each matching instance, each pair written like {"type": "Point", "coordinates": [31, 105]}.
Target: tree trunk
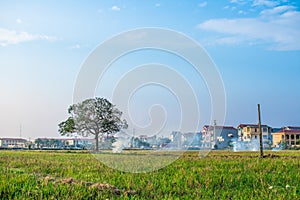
{"type": "Point", "coordinates": [97, 141]}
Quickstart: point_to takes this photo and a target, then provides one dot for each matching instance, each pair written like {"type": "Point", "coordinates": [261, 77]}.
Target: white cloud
{"type": "Point", "coordinates": [241, 12]}
{"type": "Point", "coordinates": [238, 1]}
{"type": "Point", "coordinates": [277, 10]}
{"type": "Point", "coordinates": [278, 28]}
{"type": "Point", "coordinates": [157, 4]}
{"type": "Point", "coordinates": [203, 4]}
{"type": "Point", "coordinates": [76, 46]}
{"type": "Point", "coordinates": [19, 21]}
{"type": "Point", "coordinates": [229, 7]}
{"type": "Point", "coordinates": [115, 8]}
{"type": "Point", "coordinates": [229, 40]}
{"type": "Point", "coordinates": [269, 3]}
{"type": "Point", "coordinates": [13, 37]}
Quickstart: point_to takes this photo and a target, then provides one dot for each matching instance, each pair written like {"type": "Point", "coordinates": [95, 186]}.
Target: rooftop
{"type": "Point", "coordinates": [12, 138]}
{"type": "Point", "coordinates": [218, 127]}
{"type": "Point", "coordinates": [289, 131]}
{"type": "Point", "coordinates": [292, 127]}
{"type": "Point", "coordinates": [251, 125]}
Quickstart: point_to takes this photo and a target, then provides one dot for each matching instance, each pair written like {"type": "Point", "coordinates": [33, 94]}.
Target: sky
{"type": "Point", "coordinates": [254, 44]}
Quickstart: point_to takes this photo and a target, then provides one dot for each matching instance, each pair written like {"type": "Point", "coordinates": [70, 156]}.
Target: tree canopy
{"type": "Point", "coordinates": [96, 116]}
{"type": "Point", "coordinates": [67, 127]}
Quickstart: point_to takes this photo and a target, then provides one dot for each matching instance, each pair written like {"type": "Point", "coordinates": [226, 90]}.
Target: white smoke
{"type": "Point", "coordinates": [122, 141]}
{"type": "Point", "coordinates": [252, 145]}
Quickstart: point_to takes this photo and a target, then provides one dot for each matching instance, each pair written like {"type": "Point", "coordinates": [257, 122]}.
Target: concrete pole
{"type": "Point", "coordinates": [260, 133]}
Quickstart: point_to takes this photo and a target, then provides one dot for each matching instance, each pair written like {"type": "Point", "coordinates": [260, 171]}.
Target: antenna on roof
{"type": "Point", "coordinates": [20, 130]}
{"type": "Point", "coordinates": [215, 124]}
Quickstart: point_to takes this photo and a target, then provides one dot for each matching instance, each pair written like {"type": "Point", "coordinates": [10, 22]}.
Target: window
{"type": "Point", "coordinates": [265, 129]}
{"type": "Point", "coordinates": [287, 137]}
{"type": "Point", "coordinates": [255, 130]}
{"type": "Point", "coordinates": [292, 137]}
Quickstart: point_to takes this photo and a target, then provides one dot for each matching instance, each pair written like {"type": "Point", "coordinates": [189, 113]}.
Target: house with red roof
{"type": "Point", "coordinates": [288, 134]}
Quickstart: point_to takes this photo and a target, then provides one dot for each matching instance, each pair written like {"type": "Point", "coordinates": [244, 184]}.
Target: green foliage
{"type": "Point", "coordinates": [67, 127]}
{"type": "Point", "coordinates": [284, 145]}
{"type": "Point", "coordinates": [93, 117]}
{"type": "Point", "coordinates": [220, 175]}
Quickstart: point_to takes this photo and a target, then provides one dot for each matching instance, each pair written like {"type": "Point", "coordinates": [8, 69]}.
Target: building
{"type": "Point", "coordinates": [289, 134]}
{"type": "Point", "coordinates": [191, 139]}
{"type": "Point", "coordinates": [249, 132]}
{"type": "Point", "coordinates": [187, 139]}
{"type": "Point", "coordinates": [152, 140]}
{"type": "Point", "coordinates": [85, 143]}
{"type": "Point", "coordinates": [63, 142]}
{"type": "Point", "coordinates": [218, 137]}
{"type": "Point", "coordinates": [164, 142]}
{"type": "Point", "coordinates": [13, 142]}
{"type": "Point", "coordinates": [176, 139]}
{"type": "Point", "coordinates": [143, 138]}
{"type": "Point", "coordinates": [291, 128]}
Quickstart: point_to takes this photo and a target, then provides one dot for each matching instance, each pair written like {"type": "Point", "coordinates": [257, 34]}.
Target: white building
{"type": "Point", "coordinates": [13, 142]}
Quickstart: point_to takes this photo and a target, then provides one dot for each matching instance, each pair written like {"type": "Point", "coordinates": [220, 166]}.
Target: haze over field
{"type": "Point", "coordinates": [254, 43]}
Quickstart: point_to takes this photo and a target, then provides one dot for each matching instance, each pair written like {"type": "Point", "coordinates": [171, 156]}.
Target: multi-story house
{"type": "Point", "coordinates": [218, 137]}
{"type": "Point", "coordinates": [288, 134]}
{"type": "Point", "coordinates": [249, 132]}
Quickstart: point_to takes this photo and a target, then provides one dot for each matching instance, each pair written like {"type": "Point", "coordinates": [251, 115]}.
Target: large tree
{"type": "Point", "coordinates": [95, 116]}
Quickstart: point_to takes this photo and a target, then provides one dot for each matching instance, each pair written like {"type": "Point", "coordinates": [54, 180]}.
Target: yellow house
{"type": "Point", "coordinates": [292, 137]}
{"type": "Point", "coordinates": [248, 132]}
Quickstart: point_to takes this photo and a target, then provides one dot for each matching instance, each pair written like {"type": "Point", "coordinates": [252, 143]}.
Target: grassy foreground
{"type": "Point", "coordinates": [220, 175]}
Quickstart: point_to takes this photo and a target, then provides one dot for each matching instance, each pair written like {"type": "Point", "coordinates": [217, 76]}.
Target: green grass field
{"type": "Point", "coordinates": [220, 175]}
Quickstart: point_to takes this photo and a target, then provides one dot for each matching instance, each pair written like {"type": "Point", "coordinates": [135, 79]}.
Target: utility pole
{"type": "Point", "coordinates": [260, 133]}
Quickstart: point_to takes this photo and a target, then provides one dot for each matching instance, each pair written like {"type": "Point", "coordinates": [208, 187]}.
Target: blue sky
{"type": "Point", "coordinates": [255, 45]}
